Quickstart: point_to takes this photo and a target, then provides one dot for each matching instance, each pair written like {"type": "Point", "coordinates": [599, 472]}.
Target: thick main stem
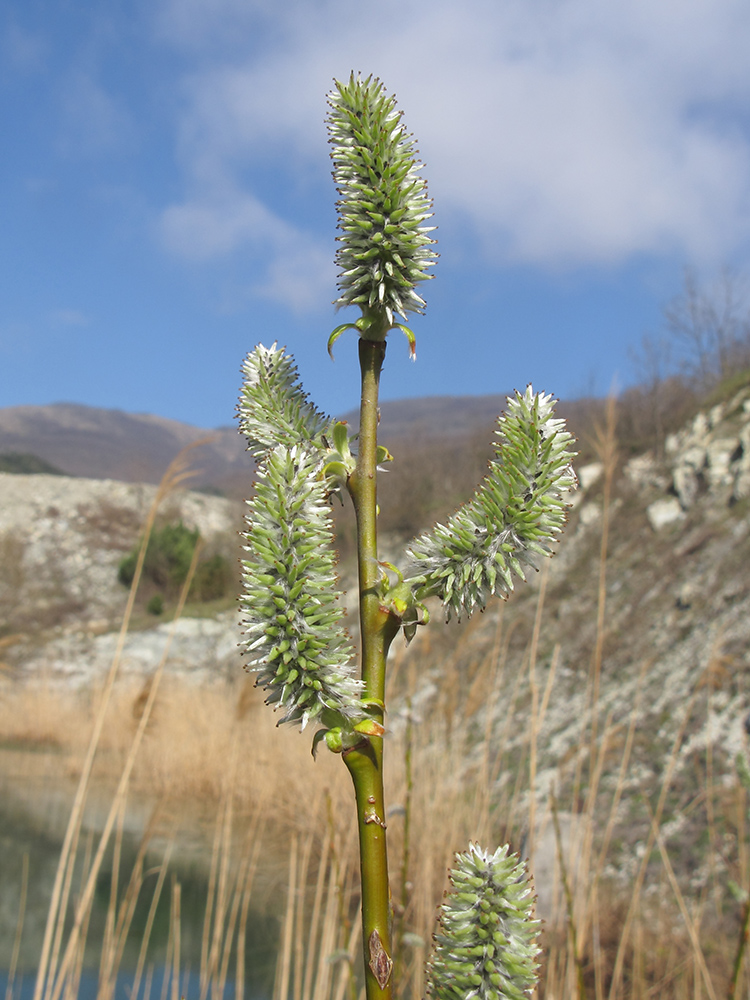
{"type": "Point", "coordinates": [377, 630]}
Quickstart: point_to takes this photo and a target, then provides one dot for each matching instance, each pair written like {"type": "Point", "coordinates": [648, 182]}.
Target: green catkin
{"type": "Point", "coordinates": [485, 947]}
{"type": "Point", "coordinates": [294, 639]}
{"type": "Point", "coordinates": [385, 250]}
{"type": "Point", "coordinates": [515, 515]}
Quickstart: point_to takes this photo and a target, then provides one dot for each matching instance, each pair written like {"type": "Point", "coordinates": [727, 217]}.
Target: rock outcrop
{"type": "Point", "coordinates": [61, 542]}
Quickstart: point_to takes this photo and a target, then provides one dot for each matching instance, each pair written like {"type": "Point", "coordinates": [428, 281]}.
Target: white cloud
{"type": "Point", "coordinates": [206, 228]}
{"type": "Point", "coordinates": [92, 121]}
{"type": "Point", "coordinates": [295, 270]}
{"type": "Point", "coordinates": [22, 52]}
{"type": "Point", "coordinates": [565, 131]}
{"type": "Point", "coordinates": [69, 317]}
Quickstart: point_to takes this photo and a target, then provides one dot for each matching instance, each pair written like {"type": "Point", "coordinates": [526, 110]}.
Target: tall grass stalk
{"type": "Point", "coordinates": [57, 982]}
{"type": "Point", "coordinates": [161, 873]}
{"type": "Point", "coordinates": [19, 927]}
{"type": "Point", "coordinates": [177, 473]}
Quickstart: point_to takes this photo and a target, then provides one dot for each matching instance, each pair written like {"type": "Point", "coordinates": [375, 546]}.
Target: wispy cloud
{"type": "Point", "coordinates": [21, 51]}
{"type": "Point", "coordinates": [92, 120]}
{"type": "Point", "coordinates": [69, 317]}
{"type": "Point", "coordinates": [565, 132]}
{"type": "Point", "coordinates": [295, 269]}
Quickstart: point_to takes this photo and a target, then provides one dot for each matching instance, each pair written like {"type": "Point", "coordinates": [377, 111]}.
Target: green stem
{"type": "Point", "coordinates": [377, 629]}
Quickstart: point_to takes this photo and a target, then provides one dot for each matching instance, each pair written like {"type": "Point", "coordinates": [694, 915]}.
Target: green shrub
{"type": "Point", "coordinates": [168, 557]}
{"type": "Point", "coordinates": [212, 579]}
{"type": "Point", "coordinates": [23, 463]}
{"type": "Point", "coordinates": [155, 605]}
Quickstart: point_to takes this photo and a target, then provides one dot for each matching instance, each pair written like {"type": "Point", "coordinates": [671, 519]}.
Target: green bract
{"type": "Point", "coordinates": [292, 619]}
{"type": "Point", "coordinates": [486, 944]}
{"type": "Point", "coordinates": [385, 250]}
{"type": "Point", "coordinates": [273, 407]}
{"type": "Point", "coordinates": [515, 515]}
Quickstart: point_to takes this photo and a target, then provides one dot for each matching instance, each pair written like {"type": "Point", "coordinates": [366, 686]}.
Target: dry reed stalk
{"type": "Point", "coordinates": [107, 980]}
{"type": "Point", "coordinates": [574, 977]}
{"type": "Point", "coordinates": [346, 976]}
{"type": "Point", "coordinates": [19, 927]}
{"type": "Point", "coordinates": [641, 874]}
{"type": "Point", "coordinates": [581, 847]}
{"type": "Point", "coordinates": [637, 974]}
{"type": "Point", "coordinates": [598, 953]}
{"type": "Point", "coordinates": [281, 987]}
{"type": "Point", "coordinates": [605, 448]}
{"type": "Point", "coordinates": [536, 728]}
{"type": "Point", "coordinates": [162, 870]}
{"type": "Point", "coordinates": [624, 763]}
{"type": "Point", "coordinates": [605, 445]}
{"type": "Point", "coordinates": [239, 978]}
{"type": "Point", "coordinates": [176, 474]}
{"type": "Point", "coordinates": [689, 924]}
{"type": "Point", "coordinates": [246, 877]}
{"type": "Point", "coordinates": [507, 724]}
{"type": "Point", "coordinates": [106, 987]}
{"type": "Point", "coordinates": [65, 890]}
{"type": "Point", "coordinates": [534, 721]}
{"type": "Point", "coordinates": [127, 907]}
{"type": "Point", "coordinates": [176, 925]}
{"type": "Point", "coordinates": [147, 984]}
{"type": "Point", "coordinates": [585, 911]}
{"type": "Point", "coordinates": [299, 933]}
{"type": "Point", "coordinates": [514, 821]}
{"type": "Point", "coordinates": [222, 846]}
{"type": "Point", "coordinates": [248, 859]}
{"type": "Point", "coordinates": [328, 941]}
{"type": "Point", "coordinates": [210, 898]}
{"type": "Point", "coordinates": [53, 992]}
{"type": "Point", "coordinates": [314, 923]}
{"type": "Point", "coordinates": [73, 979]}
{"type": "Point", "coordinates": [494, 674]}
{"type": "Point", "coordinates": [167, 963]}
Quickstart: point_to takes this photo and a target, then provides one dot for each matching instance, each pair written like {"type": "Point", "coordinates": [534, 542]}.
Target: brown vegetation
{"type": "Point", "coordinates": [617, 925]}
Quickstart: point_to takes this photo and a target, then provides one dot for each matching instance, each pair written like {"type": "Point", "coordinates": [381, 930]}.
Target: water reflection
{"type": "Point", "coordinates": [33, 813]}
{"type": "Point", "coordinates": [156, 987]}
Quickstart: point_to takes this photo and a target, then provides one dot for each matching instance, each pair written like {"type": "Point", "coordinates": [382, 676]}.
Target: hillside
{"type": "Point", "coordinates": [613, 687]}
{"type": "Point", "coordinates": [96, 443]}
{"type": "Point", "coordinates": [677, 573]}
{"type": "Point", "coordinates": [131, 447]}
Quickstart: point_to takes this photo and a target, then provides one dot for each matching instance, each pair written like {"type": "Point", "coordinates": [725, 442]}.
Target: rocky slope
{"type": "Point", "coordinates": [672, 654]}
{"type": "Point", "coordinates": [61, 542]}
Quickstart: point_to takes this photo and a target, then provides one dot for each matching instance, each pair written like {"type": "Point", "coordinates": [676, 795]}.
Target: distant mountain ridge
{"type": "Point", "coordinates": [137, 447]}
{"type": "Point", "coordinates": [111, 444]}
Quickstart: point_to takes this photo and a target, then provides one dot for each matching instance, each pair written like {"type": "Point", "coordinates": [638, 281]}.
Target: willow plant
{"type": "Point", "coordinates": [294, 635]}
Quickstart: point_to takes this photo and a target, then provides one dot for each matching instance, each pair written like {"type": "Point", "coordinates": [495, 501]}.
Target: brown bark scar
{"type": "Point", "coordinates": [381, 964]}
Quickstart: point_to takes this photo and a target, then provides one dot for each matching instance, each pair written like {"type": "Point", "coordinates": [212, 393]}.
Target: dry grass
{"type": "Point", "coordinates": [217, 754]}
{"type": "Point", "coordinates": [453, 775]}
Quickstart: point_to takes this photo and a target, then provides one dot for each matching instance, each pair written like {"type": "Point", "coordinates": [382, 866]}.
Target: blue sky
{"type": "Point", "coordinates": [166, 199]}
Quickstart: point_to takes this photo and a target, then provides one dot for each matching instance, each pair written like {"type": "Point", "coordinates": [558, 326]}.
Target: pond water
{"type": "Point", "coordinates": [34, 806]}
